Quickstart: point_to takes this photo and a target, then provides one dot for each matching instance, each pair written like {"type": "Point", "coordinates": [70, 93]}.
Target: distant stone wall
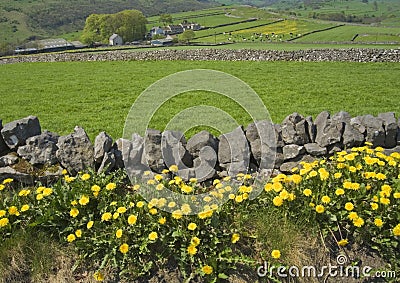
{"type": "Point", "coordinates": [262, 147]}
{"type": "Point", "coordinates": [315, 55]}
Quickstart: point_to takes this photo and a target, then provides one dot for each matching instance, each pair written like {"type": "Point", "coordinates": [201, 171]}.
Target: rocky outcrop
{"type": "Point", "coordinates": [40, 149]}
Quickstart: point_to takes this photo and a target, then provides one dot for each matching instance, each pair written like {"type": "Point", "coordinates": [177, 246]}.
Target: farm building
{"type": "Point", "coordinates": [174, 29]}
{"type": "Point", "coordinates": [162, 42]}
{"type": "Point", "coordinates": [156, 31]}
{"type": "Point", "coordinates": [115, 40]}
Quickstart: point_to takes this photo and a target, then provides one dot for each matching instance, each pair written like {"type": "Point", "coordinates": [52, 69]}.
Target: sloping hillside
{"type": "Point", "coordinates": [22, 19]}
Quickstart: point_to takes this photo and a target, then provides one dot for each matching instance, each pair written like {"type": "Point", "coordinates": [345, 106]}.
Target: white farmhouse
{"type": "Point", "coordinates": [115, 39]}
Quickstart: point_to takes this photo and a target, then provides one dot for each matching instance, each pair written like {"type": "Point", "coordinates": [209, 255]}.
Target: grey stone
{"type": "Point", "coordinates": [329, 131]}
{"type": "Point", "coordinates": [75, 151]}
{"type": "Point", "coordinates": [352, 136]}
{"type": "Point", "coordinates": [263, 137]}
{"type": "Point", "coordinates": [315, 150]}
{"type": "Point", "coordinates": [287, 167]}
{"type": "Point", "coordinates": [8, 160]}
{"type": "Point", "coordinates": [108, 163]}
{"type": "Point", "coordinates": [357, 124]}
{"type": "Point", "coordinates": [295, 130]}
{"type": "Point", "coordinates": [389, 151]}
{"type": "Point", "coordinates": [174, 151]}
{"type": "Point", "coordinates": [46, 178]}
{"type": "Point", "coordinates": [398, 132]}
{"type": "Point", "coordinates": [334, 148]}
{"type": "Point", "coordinates": [152, 150]}
{"type": "Point", "coordinates": [391, 128]}
{"type": "Point", "coordinates": [234, 152]}
{"type": "Point", "coordinates": [292, 151]}
{"type": "Point", "coordinates": [102, 144]}
{"type": "Point", "coordinates": [200, 140]}
{"type": "Point", "coordinates": [312, 132]}
{"type": "Point", "coordinates": [17, 132]}
{"type": "Point", "coordinates": [187, 173]}
{"type": "Point", "coordinates": [205, 164]}
{"type": "Point", "coordinates": [133, 155]}
{"type": "Point", "coordinates": [41, 149]}
{"type": "Point", "coordinates": [18, 177]}
{"type": "Point", "coordinates": [117, 149]}
{"type": "Point", "coordinates": [374, 129]}
{"type": "Point", "coordinates": [3, 147]}
{"type": "Point", "coordinates": [342, 116]}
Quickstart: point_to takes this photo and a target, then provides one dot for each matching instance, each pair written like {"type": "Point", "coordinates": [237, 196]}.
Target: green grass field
{"type": "Point", "coordinates": [98, 95]}
{"type": "Point", "coordinates": [346, 33]}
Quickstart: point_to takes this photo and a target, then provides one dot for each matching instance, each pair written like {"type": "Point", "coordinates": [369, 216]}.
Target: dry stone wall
{"type": "Point", "coordinates": [316, 55]}
{"type": "Point", "coordinates": [261, 146]}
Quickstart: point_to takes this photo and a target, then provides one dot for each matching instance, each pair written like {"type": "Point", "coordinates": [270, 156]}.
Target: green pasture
{"type": "Point", "coordinates": [98, 95]}
{"type": "Point", "coordinates": [281, 31]}
{"type": "Point", "coordinates": [347, 32]}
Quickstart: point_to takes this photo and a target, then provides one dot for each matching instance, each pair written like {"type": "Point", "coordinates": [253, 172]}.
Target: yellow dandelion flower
{"type": "Point", "coordinates": [47, 192]}
{"type": "Point", "coordinates": [307, 192]}
{"type": "Point", "coordinates": [358, 222]}
{"type": "Point", "coordinates": [71, 238]}
{"type": "Point", "coordinates": [124, 248]}
{"type": "Point", "coordinates": [339, 192]}
{"type": "Point", "coordinates": [326, 199]}
{"type": "Point", "coordinates": [160, 187]}
{"type": "Point", "coordinates": [111, 186]}
{"type": "Point", "coordinates": [118, 234]}
{"type": "Point", "coordinates": [192, 250]}
{"type": "Point", "coordinates": [396, 230]}
{"type": "Point", "coordinates": [64, 172]}
{"type": "Point", "coordinates": [193, 180]}
{"type": "Point", "coordinates": [239, 199]}
{"type": "Point", "coordinates": [277, 201]}
{"type": "Point", "coordinates": [165, 171]}
{"type": "Point", "coordinates": [207, 269]}
{"type": "Point", "coordinates": [7, 181]}
{"type": "Point", "coordinates": [177, 214]}
{"type": "Point", "coordinates": [140, 204]}
{"type": "Point", "coordinates": [78, 233]}
{"type": "Point", "coordinates": [151, 182]}
{"type": "Point", "coordinates": [284, 194]}
{"type": "Point", "coordinates": [380, 176]}
{"type": "Point", "coordinates": [353, 215]}
{"type": "Point", "coordinates": [186, 189]}
{"type": "Point", "coordinates": [84, 200]}
{"type": "Point", "coordinates": [384, 201]}
{"type": "Point", "coordinates": [153, 236]}
{"type": "Point", "coordinates": [4, 222]}
{"type": "Point", "coordinates": [374, 205]}
{"type": "Point", "coordinates": [106, 216]}
{"type": "Point", "coordinates": [98, 276]}
{"type": "Point", "coordinates": [13, 210]}
{"type": "Point", "coordinates": [85, 177]}
{"type": "Point", "coordinates": [162, 220]}
{"type": "Point", "coordinates": [185, 209]}
{"type": "Point", "coordinates": [115, 215]}
{"type": "Point", "coordinates": [173, 168]}
{"type": "Point", "coordinates": [24, 208]}
{"type": "Point", "coordinates": [276, 254]}
{"type": "Point", "coordinates": [89, 225]}
{"type": "Point", "coordinates": [396, 195]}
{"type": "Point", "coordinates": [235, 238]}
{"type": "Point", "coordinates": [2, 212]}
{"type": "Point", "coordinates": [153, 211]}
{"type": "Point", "coordinates": [121, 209]}
{"type": "Point", "coordinates": [158, 177]}
{"type": "Point", "coordinates": [349, 206]}
{"type": "Point", "coordinates": [343, 242]}
{"type": "Point", "coordinates": [2, 187]}
{"type": "Point", "coordinates": [337, 175]}
{"type": "Point", "coordinates": [74, 212]}
{"type": "Point", "coordinates": [277, 187]}
{"type": "Point", "coordinates": [320, 208]}
{"type": "Point", "coordinates": [378, 222]}
{"type": "Point", "coordinates": [132, 219]}
{"type": "Point", "coordinates": [192, 226]}
{"type": "Point", "coordinates": [95, 188]}
{"type": "Point", "coordinates": [195, 241]}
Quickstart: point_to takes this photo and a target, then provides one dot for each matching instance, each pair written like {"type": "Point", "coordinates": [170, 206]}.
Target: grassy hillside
{"type": "Point", "coordinates": [98, 95]}
{"type": "Point", "coordinates": [22, 19]}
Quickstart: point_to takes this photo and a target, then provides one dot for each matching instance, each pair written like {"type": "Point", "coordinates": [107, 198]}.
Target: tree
{"type": "Point", "coordinates": [187, 36]}
{"type": "Point", "coordinates": [129, 24]}
{"type": "Point", "coordinates": [165, 19]}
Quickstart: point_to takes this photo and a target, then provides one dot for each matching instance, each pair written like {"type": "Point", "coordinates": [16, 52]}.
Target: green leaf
{"type": "Point", "coordinates": [223, 276]}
